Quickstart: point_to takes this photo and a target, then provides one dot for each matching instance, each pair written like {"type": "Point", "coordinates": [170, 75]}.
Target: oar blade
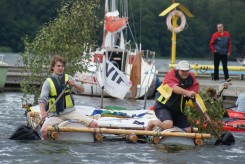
{"type": "Point", "coordinates": [25, 133]}
{"type": "Point", "coordinates": [227, 138]}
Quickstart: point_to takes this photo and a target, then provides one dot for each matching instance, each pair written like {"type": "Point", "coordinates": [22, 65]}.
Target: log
{"type": "Point", "coordinates": [155, 139]}
{"type": "Point", "coordinates": [98, 137]}
{"type": "Point", "coordinates": [128, 132]}
{"type": "Point", "coordinates": [198, 141]}
{"type": "Point", "coordinates": [131, 138]}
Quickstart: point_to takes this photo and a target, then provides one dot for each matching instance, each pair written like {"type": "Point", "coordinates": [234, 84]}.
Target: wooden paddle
{"type": "Point", "coordinates": [226, 138]}
{"type": "Point", "coordinates": [24, 132]}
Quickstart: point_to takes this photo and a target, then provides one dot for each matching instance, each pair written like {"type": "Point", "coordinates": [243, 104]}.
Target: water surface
{"type": "Point", "coordinates": [12, 115]}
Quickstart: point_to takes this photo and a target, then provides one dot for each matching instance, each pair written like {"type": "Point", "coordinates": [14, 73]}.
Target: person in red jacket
{"type": "Point", "coordinates": [179, 87]}
{"type": "Point", "coordinates": [220, 45]}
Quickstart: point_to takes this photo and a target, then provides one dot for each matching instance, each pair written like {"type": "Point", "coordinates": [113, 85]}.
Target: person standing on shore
{"type": "Point", "coordinates": [221, 46]}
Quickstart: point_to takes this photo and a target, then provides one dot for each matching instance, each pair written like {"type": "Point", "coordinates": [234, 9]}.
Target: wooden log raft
{"type": "Point", "coordinates": [129, 132]}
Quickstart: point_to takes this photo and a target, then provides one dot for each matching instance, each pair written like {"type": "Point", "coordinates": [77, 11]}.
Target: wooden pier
{"type": "Point", "coordinates": [15, 77]}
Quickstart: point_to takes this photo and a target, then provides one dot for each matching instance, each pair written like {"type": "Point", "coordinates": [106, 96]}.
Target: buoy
{"type": "Point", "coordinates": [169, 21]}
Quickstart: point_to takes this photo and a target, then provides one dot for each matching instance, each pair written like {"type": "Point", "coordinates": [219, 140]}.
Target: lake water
{"type": "Point", "coordinates": [29, 152]}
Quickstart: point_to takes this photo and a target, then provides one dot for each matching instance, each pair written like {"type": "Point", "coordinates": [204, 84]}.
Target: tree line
{"type": "Point", "coordinates": [26, 17]}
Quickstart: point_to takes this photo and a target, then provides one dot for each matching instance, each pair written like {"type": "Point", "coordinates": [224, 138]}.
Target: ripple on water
{"type": "Point", "coordinates": [11, 116]}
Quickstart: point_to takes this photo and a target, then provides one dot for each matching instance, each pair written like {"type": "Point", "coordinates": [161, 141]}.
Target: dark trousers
{"type": "Point", "coordinates": [223, 59]}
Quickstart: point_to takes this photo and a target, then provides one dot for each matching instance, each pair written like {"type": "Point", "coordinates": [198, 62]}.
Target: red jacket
{"type": "Point", "coordinates": [173, 81]}
{"type": "Point", "coordinates": [221, 43]}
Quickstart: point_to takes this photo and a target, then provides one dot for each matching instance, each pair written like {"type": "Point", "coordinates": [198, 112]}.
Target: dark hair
{"type": "Point", "coordinates": [56, 58]}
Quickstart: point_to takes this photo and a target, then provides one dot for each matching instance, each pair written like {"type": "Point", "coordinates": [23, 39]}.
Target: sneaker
{"type": "Point", "coordinates": [228, 80]}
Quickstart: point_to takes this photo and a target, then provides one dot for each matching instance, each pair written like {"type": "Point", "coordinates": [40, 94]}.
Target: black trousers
{"type": "Point", "coordinates": [224, 60]}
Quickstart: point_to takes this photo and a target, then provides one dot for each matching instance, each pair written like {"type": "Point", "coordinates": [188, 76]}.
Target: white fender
{"type": "Point", "coordinates": [169, 21]}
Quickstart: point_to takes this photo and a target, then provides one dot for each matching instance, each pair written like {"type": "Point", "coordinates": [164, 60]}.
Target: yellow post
{"type": "Point", "coordinates": [173, 52]}
{"type": "Point", "coordinates": [175, 25]}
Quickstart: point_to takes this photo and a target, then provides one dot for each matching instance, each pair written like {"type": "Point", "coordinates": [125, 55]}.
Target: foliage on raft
{"type": "Point", "coordinates": [67, 35]}
{"type": "Point", "coordinates": [214, 109]}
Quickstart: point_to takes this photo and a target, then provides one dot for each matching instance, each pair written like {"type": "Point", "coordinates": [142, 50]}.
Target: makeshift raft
{"type": "Point", "coordinates": [128, 125]}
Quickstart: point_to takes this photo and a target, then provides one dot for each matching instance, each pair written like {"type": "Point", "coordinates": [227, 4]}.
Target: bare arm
{"type": "Point", "coordinates": [43, 113]}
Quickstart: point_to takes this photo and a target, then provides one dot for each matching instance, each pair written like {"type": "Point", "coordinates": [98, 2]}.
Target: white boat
{"type": "Point", "coordinates": [131, 62]}
{"type": "Point", "coordinates": [119, 124]}
{"type": "Point", "coordinates": [241, 61]}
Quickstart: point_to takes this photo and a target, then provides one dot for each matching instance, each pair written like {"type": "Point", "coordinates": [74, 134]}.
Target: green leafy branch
{"type": "Point", "coordinates": [75, 26]}
{"type": "Point", "coordinates": [214, 109]}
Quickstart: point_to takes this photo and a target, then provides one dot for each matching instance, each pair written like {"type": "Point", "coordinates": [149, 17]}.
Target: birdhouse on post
{"type": "Point", "coordinates": [172, 18]}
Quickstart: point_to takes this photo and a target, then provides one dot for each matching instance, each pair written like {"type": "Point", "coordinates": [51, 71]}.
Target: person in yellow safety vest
{"type": "Point", "coordinates": [178, 87]}
{"type": "Point", "coordinates": [64, 108]}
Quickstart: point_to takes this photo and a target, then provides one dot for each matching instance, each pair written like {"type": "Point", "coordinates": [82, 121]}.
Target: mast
{"type": "Point", "coordinates": [117, 10]}
{"type": "Point", "coordinates": [104, 30]}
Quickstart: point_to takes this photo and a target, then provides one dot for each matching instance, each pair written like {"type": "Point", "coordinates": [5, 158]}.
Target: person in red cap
{"type": "Point", "coordinates": [179, 86]}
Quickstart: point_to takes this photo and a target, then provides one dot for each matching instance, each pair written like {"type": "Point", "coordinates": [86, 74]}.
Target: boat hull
{"type": "Point", "coordinates": [73, 136]}
{"type": "Point", "coordinates": [233, 125]}
{"type": "Point", "coordinates": [177, 141]}
{"type": "Point", "coordinates": [235, 114]}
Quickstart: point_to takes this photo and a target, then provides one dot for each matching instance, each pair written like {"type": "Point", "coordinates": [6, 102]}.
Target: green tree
{"type": "Point", "coordinates": [20, 18]}
{"type": "Point", "coordinates": [66, 35]}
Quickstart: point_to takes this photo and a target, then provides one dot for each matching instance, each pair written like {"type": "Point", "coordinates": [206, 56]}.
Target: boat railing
{"type": "Point", "coordinates": [148, 55]}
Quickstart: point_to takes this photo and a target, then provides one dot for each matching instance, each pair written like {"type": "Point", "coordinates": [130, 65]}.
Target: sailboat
{"type": "Point", "coordinates": [136, 64]}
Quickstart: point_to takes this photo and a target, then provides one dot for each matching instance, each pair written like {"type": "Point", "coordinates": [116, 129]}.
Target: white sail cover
{"type": "Point", "coordinates": [115, 83]}
{"type": "Point", "coordinates": [112, 14]}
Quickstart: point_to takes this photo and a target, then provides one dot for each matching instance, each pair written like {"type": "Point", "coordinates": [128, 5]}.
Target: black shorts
{"type": "Point", "coordinates": [163, 113]}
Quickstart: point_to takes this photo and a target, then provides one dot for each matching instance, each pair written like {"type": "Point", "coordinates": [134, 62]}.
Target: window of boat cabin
{"type": "Point", "coordinates": [118, 59]}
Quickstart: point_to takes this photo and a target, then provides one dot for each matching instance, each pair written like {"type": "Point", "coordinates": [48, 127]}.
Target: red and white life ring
{"type": "Point", "coordinates": [169, 21]}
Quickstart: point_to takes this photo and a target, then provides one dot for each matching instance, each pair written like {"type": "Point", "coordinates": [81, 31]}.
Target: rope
{"type": "Point", "coordinates": [50, 135]}
{"type": "Point", "coordinates": [158, 134]}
